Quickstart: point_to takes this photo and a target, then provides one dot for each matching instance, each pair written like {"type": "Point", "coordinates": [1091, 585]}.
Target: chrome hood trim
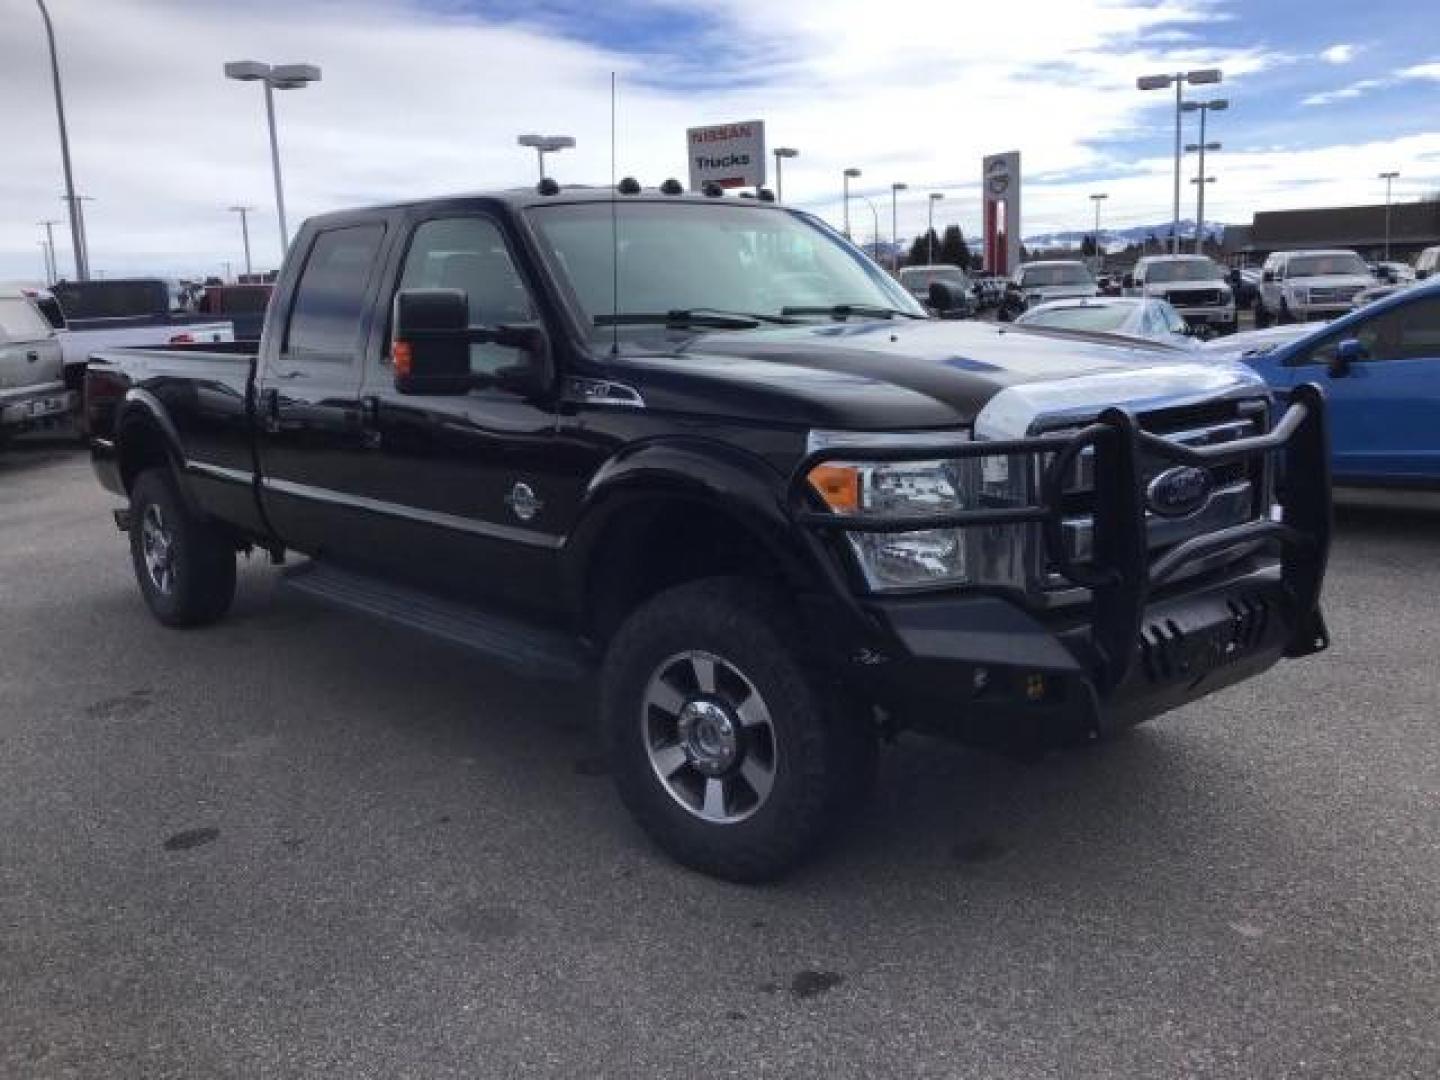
{"type": "Point", "coordinates": [1019, 411]}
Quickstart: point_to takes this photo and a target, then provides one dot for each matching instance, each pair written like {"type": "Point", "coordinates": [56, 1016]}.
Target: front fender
{"type": "Point", "coordinates": [687, 470]}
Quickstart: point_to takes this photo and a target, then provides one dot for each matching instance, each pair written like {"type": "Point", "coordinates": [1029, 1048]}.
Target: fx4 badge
{"type": "Point", "coordinates": [524, 502]}
{"type": "Point", "coordinates": [1179, 491]}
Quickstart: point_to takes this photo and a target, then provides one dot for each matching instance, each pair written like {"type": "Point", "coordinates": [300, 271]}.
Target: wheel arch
{"type": "Point", "coordinates": [145, 438]}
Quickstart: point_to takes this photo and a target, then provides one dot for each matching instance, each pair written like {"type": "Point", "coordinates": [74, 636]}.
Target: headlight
{"type": "Point", "coordinates": [927, 557]}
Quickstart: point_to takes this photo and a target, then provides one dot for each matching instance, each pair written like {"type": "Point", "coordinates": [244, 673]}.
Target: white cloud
{"type": "Point", "coordinates": [1344, 93]}
{"type": "Point", "coordinates": [1338, 54]}
{"type": "Point", "coordinates": [1422, 71]}
{"type": "Point", "coordinates": [423, 100]}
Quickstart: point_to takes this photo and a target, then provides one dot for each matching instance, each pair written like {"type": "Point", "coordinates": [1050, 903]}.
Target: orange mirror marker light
{"type": "Point", "coordinates": [400, 356]}
{"type": "Point", "coordinates": [838, 485]}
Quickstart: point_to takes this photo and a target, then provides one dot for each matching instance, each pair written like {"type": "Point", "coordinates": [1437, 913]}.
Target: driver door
{"type": "Point", "coordinates": [1383, 408]}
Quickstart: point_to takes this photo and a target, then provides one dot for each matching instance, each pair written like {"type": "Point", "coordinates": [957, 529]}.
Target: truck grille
{"type": "Point", "coordinates": [1238, 490]}
{"type": "Point", "coordinates": [1195, 297]}
{"type": "Point", "coordinates": [1333, 294]}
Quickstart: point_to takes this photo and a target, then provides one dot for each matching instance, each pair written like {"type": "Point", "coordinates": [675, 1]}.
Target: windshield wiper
{"type": "Point", "coordinates": [713, 318]}
{"type": "Point", "coordinates": [845, 311]}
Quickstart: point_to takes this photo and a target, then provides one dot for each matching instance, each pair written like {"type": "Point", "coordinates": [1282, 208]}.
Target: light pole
{"type": "Point", "coordinates": [277, 77]}
{"type": "Point", "coordinates": [546, 144]}
{"type": "Point", "coordinates": [78, 202]}
{"type": "Point", "coordinates": [935, 196]}
{"type": "Point", "coordinates": [850, 174]}
{"type": "Point", "coordinates": [875, 216]}
{"type": "Point", "coordinates": [781, 153]}
{"type": "Point", "coordinates": [245, 212]}
{"type": "Point", "coordinates": [895, 190]}
{"type": "Point", "coordinates": [1388, 177]}
{"type": "Point", "coordinates": [1204, 108]}
{"type": "Point", "coordinates": [1097, 199]}
{"type": "Point", "coordinates": [1178, 80]}
{"type": "Point", "coordinates": [77, 232]}
{"type": "Point", "coordinates": [52, 268]}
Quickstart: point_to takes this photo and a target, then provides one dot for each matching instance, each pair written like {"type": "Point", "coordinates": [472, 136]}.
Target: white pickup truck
{"type": "Point", "coordinates": [1193, 284]}
{"type": "Point", "coordinates": [32, 393]}
{"type": "Point", "coordinates": [1302, 286]}
{"type": "Point", "coordinates": [127, 311]}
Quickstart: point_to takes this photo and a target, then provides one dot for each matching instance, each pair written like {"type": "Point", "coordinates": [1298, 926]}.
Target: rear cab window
{"type": "Point", "coordinates": [327, 312]}
{"type": "Point", "coordinates": [20, 320]}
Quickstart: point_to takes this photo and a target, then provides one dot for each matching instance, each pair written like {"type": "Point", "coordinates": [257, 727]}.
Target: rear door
{"type": "Point", "coordinates": [310, 439]}
{"type": "Point", "coordinates": [1383, 410]}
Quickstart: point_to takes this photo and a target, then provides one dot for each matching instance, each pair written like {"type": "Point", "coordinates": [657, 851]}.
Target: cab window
{"type": "Point", "coordinates": [1409, 332]}
{"type": "Point", "coordinates": [469, 254]}
{"type": "Point", "coordinates": [329, 305]}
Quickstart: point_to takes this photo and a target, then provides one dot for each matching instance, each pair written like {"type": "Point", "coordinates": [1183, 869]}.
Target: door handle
{"type": "Point", "coordinates": [32, 356]}
{"type": "Point", "coordinates": [270, 410]}
{"type": "Point", "coordinates": [370, 421]}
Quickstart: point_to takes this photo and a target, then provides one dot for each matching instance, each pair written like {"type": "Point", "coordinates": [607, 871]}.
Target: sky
{"type": "Point", "coordinates": [425, 97]}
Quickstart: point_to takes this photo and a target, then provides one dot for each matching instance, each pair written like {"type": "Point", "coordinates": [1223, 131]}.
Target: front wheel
{"type": "Point", "coordinates": [185, 566]}
{"type": "Point", "coordinates": [730, 749]}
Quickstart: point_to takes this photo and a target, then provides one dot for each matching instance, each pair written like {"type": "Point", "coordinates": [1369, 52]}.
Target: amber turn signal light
{"type": "Point", "coordinates": [838, 485]}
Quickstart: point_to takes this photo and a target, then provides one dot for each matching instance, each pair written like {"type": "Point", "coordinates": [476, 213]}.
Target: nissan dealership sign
{"type": "Point", "coordinates": [731, 155]}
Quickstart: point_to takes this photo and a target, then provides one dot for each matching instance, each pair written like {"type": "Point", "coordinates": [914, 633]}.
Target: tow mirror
{"type": "Point", "coordinates": [431, 347]}
{"type": "Point", "coordinates": [944, 297]}
{"type": "Point", "coordinates": [1349, 351]}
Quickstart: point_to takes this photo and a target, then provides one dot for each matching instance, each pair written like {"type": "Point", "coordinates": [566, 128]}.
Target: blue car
{"type": "Point", "coordinates": [1380, 368]}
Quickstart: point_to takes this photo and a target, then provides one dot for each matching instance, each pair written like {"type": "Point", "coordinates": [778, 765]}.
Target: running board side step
{"type": "Point", "coordinates": [527, 650]}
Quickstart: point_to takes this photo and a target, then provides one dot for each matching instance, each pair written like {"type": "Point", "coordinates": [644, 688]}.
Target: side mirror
{"type": "Point", "coordinates": [1268, 275]}
{"type": "Point", "coordinates": [431, 347]}
{"type": "Point", "coordinates": [1128, 281]}
{"type": "Point", "coordinates": [1349, 351]}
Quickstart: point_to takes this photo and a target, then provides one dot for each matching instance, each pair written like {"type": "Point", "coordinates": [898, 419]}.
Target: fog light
{"type": "Point", "coordinates": [1035, 687]}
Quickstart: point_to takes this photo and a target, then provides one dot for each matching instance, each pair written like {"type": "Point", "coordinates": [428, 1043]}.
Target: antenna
{"type": "Point", "coordinates": [614, 236]}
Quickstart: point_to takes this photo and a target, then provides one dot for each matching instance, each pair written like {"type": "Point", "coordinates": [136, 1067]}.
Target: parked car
{"type": "Point", "coordinates": [1380, 369]}
{"type": "Point", "coordinates": [1194, 284]}
{"type": "Point", "coordinates": [243, 305]}
{"type": "Point", "coordinates": [1302, 286]}
{"type": "Point", "coordinates": [1393, 273]}
{"type": "Point", "coordinates": [1427, 263]}
{"type": "Point", "coordinates": [990, 290]}
{"type": "Point", "coordinates": [128, 311]}
{"type": "Point", "coordinates": [1126, 317]}
{"type": "Point", "coordinates": [959, 292]}
{"type": "Point", "coordinates": [32, 387]}
{"type": "Point", "coordinates": [1049, 279]}
{"type": "Point", "coordinates": [777, 507]}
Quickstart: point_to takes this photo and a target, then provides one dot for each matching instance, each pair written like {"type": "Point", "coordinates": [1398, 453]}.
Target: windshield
{"type": "Point", "coordinates": [1183, 270]}
{"type": "Point", "coordinates": [1326, 266]}
{"type": "Point", "coordinates": [1055, 274]}
{"type": "Point", "coordinates": [1101, 319]}
{"type": "Point", "coordinates": [918, 278]}
{"type": "Point", "coordinates": [721, 256]}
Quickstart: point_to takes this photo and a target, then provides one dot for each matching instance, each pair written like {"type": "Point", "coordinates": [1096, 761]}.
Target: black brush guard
{"type": "Point", "coordinates": [1121, 575]}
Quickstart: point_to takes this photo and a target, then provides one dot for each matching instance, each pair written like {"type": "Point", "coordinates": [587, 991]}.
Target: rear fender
{"type": "Point", "coordinates": [145, 432]}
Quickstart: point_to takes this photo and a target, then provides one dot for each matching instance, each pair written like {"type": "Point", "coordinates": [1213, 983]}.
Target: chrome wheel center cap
{"type": "Point", "coordinates": [710, 736]}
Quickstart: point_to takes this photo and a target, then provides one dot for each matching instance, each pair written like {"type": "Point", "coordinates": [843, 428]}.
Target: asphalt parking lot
{"type": "Point", "coordinates": [300, 844]}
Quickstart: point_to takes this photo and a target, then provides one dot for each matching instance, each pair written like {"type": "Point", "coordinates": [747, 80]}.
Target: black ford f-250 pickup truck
{"type": "Point", "coordinates": [710, 448]}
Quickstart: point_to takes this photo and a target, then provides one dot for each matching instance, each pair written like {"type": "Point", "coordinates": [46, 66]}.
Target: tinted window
{"type": "Point", "coordinates": [330, 299]}
{"type": "Point", "coordinates": [1410, 332]}
{"type": "Point", "coordinates": [469, 254]}
{"type": "Point", "coordinates": [112, 299]}
{"type": "Point", "coordinates": [1105, 319]}
{"type": "Point", "coordinates": [1057, 274]}
{"type": "Point", "coordinates": [20, 320]}
{"type": "Point", "coordinates": [1326, 265]}
{"type": "Point", "coordinates": [1183, 270]}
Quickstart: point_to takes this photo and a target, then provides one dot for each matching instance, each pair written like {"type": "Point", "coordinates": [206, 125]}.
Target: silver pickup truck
{"type": "Point", "coordinates": [32, 388]}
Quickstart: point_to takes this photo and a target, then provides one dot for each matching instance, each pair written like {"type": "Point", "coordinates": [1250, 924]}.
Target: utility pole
{"type": "Point", "coordinates": [77, 226]}
{"type": "Point", "coordinates": [1387, 177]}
{"type": "Point", "coordinates": [52, 269]}
{"type": "Point", "coordinates": [244, 212]}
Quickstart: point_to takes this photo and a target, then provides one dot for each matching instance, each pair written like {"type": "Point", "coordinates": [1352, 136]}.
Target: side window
{"type": "Point", "coordinates": [469, 254]}
{"type": "Point", "coordinates": [325, 317]}
{"type": "Point", "coordinates": [1411, 332]}
{"type": "Point", "coordinates": [20, 320]}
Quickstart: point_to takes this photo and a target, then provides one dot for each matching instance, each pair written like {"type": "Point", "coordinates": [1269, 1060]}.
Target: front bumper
{"type": "Point", "coordinates": [1208, 316]}
{"type": "Point", "coordinates": [982, 666]}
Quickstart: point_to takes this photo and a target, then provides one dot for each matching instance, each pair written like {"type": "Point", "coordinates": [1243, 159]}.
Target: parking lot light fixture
{"type": "Point", "coordinates": [274, 77]}
{"type": "Point", "coordinates": [1097, 198]}
{"type": "Point", "coordinates": [781, 153]}
{"type": "Point", "coordinates": [1388, 177]}
{"type": "Point", "coordinates": [935, 196]}
{"type": "Point", "coordinates": [546, 144]}
{"type": "Point", "coordinates": [895, 190]}
{"type": "Point", "coordinates": [1198, 77]}
{"type": "Point", "coordinates": [850, 174]}
{"type": "Point", "coordinates": [1204, 108]}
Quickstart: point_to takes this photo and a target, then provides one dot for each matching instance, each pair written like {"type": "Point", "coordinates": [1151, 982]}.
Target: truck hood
{"type": "Point", "coordinates": [905, 375]}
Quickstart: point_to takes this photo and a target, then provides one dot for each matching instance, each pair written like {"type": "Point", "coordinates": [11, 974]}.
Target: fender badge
{"type": "Point", "coordinates": [523, 501]}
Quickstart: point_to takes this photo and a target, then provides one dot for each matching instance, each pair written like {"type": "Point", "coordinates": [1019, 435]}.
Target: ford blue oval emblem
{"type": "Point", "coordinates": [1179, 491]}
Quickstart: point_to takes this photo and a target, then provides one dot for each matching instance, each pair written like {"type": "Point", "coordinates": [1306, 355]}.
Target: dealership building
{"type": "Point", "coordinates": [1414, 226]}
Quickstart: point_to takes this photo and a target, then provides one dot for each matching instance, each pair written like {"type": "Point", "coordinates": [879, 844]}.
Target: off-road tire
{"type": "Point", "coordinates": [201, 581]}
{"type": "Point", "coordinates": [825, 748]}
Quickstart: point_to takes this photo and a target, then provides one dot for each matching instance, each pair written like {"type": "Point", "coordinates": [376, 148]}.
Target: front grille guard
{"type": "Point", "coordinates": [1121, 575]}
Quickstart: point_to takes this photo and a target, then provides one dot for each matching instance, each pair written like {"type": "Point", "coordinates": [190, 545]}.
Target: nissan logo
{"type": "Point", "coordinates": [1180, 491]}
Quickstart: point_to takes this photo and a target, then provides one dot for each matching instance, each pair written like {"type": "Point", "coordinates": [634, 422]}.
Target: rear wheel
{"type": "Point", "coordinates": [730, 748]}
{"type": "Point", "coordinates": [185, 565]}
